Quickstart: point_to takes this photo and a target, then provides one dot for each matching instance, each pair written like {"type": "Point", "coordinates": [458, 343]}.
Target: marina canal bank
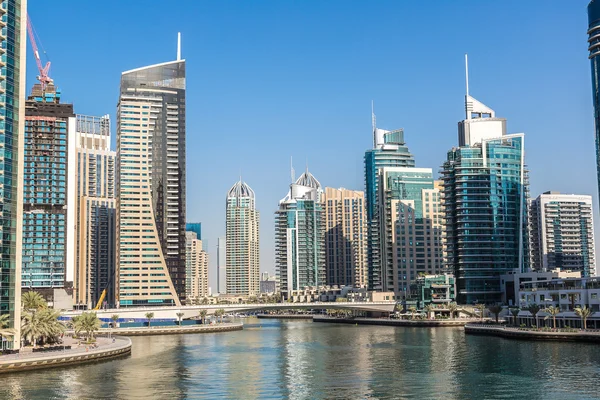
{"type": "Point", "coordinates": [557, 335]}
{"type": "Point", "coordinates": [394, 322]}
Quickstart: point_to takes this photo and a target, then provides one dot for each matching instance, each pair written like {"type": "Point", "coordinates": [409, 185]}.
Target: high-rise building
{"type": "Point", "coordinates": [561, 233]}
{"type": "Point", "coordinates": [411, 227]}
{"type": "Point", "coordinates": [151, 185]}
{"type": "Point", "coordinates": [95, 206]}
{"type": "Point", "coordinates": [196, 268]}
{"type": "Point", "coordinates": [594, 56]}
{"type": "Point", "coordinates": [221, 265]}
{"type": "Point", "coordinates": [242, 241]}
{"type": "Point", "coordinates": [48, 191]}
{"type": "Point", "coordinates": [194, 227]}
{"type": "Point", "coordinates": [485, 204]}
{"type": "Point", "coordinates": [13, 13]}
{"type": "Point", "coordinates": [389, 150]}
{"type": "Point", "coordinates": [345, 237]}
{"type": "Point", "coordinates": [300, 237]}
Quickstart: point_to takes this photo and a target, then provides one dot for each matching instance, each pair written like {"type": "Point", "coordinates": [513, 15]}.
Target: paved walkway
{"type": "Point", "coordinates": [26, 354]}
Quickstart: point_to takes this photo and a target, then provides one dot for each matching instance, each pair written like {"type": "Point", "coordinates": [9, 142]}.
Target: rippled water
{"type": "Point", "coordinates": [274, 359]}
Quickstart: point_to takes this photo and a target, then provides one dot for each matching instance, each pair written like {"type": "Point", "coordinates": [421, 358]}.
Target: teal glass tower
{"type": "Point", "coordinates": [594, 56]}
{"type": "Point", "coordinates": [389, 150]}
{"type": "Point", "coordinates": [485, 202]}
{"type": "Point", "coordinates": [12, 111]}
{"type": "Point", "coordinates": [300, 237]}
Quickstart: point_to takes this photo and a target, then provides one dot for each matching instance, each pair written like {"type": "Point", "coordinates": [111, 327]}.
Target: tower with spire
{"type": "Point", "coordinates": [242, 261]}
{"type": "Point", "coordinates": [300, 238]}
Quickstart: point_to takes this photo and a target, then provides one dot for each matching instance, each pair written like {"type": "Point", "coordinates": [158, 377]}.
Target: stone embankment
{"type": "Point", "coordinates": [530, 334]}
{"type": "Point", "coordinates": [395, 322]}
{"type": "Point", "coordinates": [285, 316]}
{"type": "Point", "coordinates": [107, 349]}
{"type": "Point", "coordinates": [174, 330]}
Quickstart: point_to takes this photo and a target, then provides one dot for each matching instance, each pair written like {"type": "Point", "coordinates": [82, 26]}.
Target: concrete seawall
{"type": "Point", "coordinates": [121, 347]}
{"type": "Point", "coordinates": [285, 316]}
{"type": "Point", "coordinates": [175, 330]}
{"type": "Point", "coordinates": [515, 333]}
{"type": "Point", "coordinates": [393, 322]}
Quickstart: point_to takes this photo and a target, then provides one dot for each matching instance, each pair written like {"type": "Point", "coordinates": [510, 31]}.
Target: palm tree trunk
{"type": "Point", "coordinates": [554, 320]}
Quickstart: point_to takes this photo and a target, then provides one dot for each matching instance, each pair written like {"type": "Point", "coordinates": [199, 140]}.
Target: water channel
{"type": "Point", "coordinates": [273, 359]}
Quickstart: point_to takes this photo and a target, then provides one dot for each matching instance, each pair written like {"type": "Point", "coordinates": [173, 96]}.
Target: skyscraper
{"type": "Point", "coordinates": [300, 237]}
{"type": "Point", "coordinates": [194, 227]}
{"type": "Point", "coordinates": [196, 272]}
{"type": "Point", "coordinates": [594, 56]}
{"type": "Point", "coordinates": [48, 191]}
{"type": "Point", "coordinates": [151, 185]}
{"type": "Point", "coordinates": [485, 204]}
{"type": "Point", "coordinates": [561, 233]}
{"type": "Point", "coordinates": [95, 211]}
{"type": "Point", "coordinates": [345, 237]}
{"type": "Point", "coordinates": [242, 250]}
{"type": "Point", "coordinates": [411, 227]}
{"type": "Point", "coordinates": [389, 150]}
{"type": "Point", "coordinates": [221, 266]}
{"type": "Point", "coordinates": [12, 81]}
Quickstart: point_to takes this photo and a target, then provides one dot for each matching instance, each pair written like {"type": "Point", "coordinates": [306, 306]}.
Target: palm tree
{"type": "Point", "coordinates": [496, 310]}
{"type": "Point", "coordinates": [179, 316]}
{"type": "Point", "coordinates": [429, 308]}
{"type": "Point", "coordinates": [4, 330]}
{"type": "Point", "coordinates": [534, 309]}
{"type": "Point", "coordinates": [453, 308]}
{"type": "Point", "coordinates": [149, 317]}
{"type": "Point", "coordinates": [552, 312]}
{"type": "Point", "coordinates": [42, 325]}
{"type": "Point", "coordinates": [115, 319]}
{"type": "Point", "coordinates": [584, 313]}
{"type": "Point", "coordinates": [481, 308]}
{"type": "Point", "coordinates": [221, 313]}
{"type": "Point", "coordinates": [203, 316]}
{"type": "Point", "coordinates": [32, 301]}
{"type": "Point", "coordinates": [412, 310]}
{"type": "Point", "coordinates": [88, 322]}
{"type": "Point", "coordinates": [515, 313]}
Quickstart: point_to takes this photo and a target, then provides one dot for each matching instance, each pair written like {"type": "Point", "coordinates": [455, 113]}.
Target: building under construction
{"type": "Point", "coordinates": [46, 219]}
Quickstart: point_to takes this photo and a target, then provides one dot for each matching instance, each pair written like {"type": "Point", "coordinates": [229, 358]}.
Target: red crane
{"type": "Point", "coordinates": [44, 70]}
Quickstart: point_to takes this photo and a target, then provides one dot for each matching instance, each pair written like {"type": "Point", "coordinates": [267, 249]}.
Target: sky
{"type": "Point", "coordinates": [269, 80]}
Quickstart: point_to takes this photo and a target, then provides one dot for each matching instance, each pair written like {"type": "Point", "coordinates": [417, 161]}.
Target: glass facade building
{"type": "Point", "coordinates": [194, 227]}
{"type": "Point", "coordinates": [46, 252]}
{"type": "Point", "coordinates": [485, 203]}
{"type": "Point", "coordinates": [389, 150]}
{"type": "Point", "coordinates": [12, 125]}
{"type": "Point", "coordinates": [594, 56]}
{"type": "Point", "coordinates": [300, 237]}
{"type": "Point", "coordinates": [151, 186]}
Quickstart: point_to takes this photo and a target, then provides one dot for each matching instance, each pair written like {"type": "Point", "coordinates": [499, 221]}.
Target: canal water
{"type": "Point", "coordinates": [274, 359]}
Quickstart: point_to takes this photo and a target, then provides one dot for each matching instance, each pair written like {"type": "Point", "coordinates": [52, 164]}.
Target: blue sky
{"type": "Point", "coordinates": [267, 80]}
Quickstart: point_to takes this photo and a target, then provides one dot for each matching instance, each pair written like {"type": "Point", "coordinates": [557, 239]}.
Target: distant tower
{"type": "Point", "coordinates": [242, 241]}
{"type": "Point", "coordinates": [196, 268]}
{"type": "Point", "coordinates": [594, 56]}
{"type": "Point", "coordinates": [221, 266]}
{"type": "Point", "coordinates": [300, 237]}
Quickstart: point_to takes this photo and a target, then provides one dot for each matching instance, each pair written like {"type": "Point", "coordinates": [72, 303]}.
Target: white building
{"type": "Point", "coordinates": [561, 231]}
{"type": "Point", "coordinates": [221, 266]}
{"type": "Point", "coordinates": [196, 268]}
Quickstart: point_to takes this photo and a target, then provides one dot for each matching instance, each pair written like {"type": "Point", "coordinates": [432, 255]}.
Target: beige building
{"type": "Point", "coordinates": [94, 171]}
{"type": "Point", "coordinates": [412, 229]}
{"type": "Point", "coordinates": [151, 186]}
{"type": "Point", "coordinates": [345, 237]}
{"type": "Point", "coordinates": [196, 268]}
{"type": "Point", "coordinates": [242, 263]}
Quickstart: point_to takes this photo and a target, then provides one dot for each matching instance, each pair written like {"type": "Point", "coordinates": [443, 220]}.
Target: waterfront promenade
{"type": "Point", "coordinates": [106, 348]}
{"type": "Point", "coordinates": [173, 330]}
{"type": "Point", "coordinates": [561, 335]}
{"type": "Point", "coordinates": [396, 322]}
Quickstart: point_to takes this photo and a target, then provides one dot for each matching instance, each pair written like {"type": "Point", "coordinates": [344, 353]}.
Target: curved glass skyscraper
{"type": "Point", "coordinates": [594, 49]}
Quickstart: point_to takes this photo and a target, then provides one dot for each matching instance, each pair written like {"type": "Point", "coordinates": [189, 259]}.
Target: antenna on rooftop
{"type": "Point", "coordinates": [293, 173]}
{"type": "Point", "coordinates": [178, 46]}
{"type": "Point", "coordinates": [467, 72]}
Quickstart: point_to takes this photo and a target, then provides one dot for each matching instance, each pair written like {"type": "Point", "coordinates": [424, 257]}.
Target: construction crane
{"type": "Point", "coordinates": [103, 294]}
{"type": "Point", "coordinates": [44, 70]}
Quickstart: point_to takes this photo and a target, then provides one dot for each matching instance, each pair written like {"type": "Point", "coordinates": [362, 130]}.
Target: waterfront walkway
{"type": "Point", "coordinates": [79, 353]}
{"type": "Point", "coordinates": [396, 322]}
{"type": "Point", "coordinates": [173, 330]}
{"type": "Point", "coordinates": [563, 335]}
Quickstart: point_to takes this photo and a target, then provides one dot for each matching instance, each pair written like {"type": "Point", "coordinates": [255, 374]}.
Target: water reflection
{"type": "Point", "coordinates": [303, 360]}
